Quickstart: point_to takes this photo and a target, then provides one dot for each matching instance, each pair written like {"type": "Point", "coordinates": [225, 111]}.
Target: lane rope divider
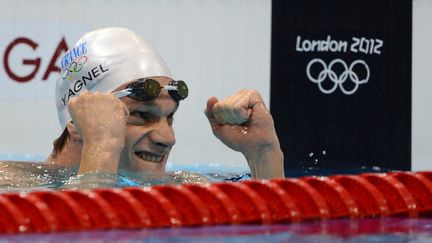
{"type": "Point", "coordinates": [369, 195]}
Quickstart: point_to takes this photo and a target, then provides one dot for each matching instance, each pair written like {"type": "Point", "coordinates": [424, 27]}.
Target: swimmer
{"type": "Point", "coordinates": [116, 101]}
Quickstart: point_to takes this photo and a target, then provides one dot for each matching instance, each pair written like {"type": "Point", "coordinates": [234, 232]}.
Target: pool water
{"type": "Point", "coordinates": [27, 176]}
{"type": "Point", "coordinates": [338, 230]}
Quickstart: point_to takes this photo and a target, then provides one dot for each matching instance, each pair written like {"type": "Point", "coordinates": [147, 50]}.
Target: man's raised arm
{"type": "Point", "coordinates": [243, 123]}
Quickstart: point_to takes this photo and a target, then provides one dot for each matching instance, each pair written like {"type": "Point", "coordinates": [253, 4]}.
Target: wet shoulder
{"type": "Point", "coordinates": [27, 174]}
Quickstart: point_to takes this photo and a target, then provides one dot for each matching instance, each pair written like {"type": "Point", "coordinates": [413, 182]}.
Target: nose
{"type": "Point", "coordinates": [163, 135]}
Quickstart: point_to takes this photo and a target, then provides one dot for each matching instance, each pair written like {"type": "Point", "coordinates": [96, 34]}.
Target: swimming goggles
{"type": "Point", "coordinates": [145, 89]}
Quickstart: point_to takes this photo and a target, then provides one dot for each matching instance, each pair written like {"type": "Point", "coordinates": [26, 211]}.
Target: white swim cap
{"type": "Point", "coordinates": [103, 60]}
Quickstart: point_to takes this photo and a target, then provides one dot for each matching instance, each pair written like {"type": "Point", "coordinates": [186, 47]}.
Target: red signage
{"type": "Point", "coordinates": [35, 63]}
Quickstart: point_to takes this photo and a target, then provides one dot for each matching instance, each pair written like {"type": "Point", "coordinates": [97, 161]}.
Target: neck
{"type": "Point", "coordinates": [68, 157]}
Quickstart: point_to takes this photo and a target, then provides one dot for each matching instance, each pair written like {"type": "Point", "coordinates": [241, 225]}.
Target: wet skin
{"type": "Point", "coordinates": [149, 135]}
{"type": "Point", "coordinates": [134, 136]}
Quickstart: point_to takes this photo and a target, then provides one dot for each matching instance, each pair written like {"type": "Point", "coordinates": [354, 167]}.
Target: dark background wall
{"type": "Point", "coordinates": [341, 84]}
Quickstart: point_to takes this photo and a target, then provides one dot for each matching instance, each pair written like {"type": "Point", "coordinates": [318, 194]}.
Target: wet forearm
{"type": "Point", "coordinates": [266, 163]}
{"type": "Point", "coordinates": [97, 158]}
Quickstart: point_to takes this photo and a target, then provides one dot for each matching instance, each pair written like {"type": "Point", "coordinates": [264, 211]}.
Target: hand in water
{"type": "Point", "coordinates": [100, 120]}
{"type": "Point", "coordinates": [243, 123]}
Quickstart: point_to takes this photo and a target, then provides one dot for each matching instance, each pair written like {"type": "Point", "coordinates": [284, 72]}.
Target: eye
{"type": "Point", "coordinates": [140, 114]}
{"type": "Point", "coordinates": [139, 117]}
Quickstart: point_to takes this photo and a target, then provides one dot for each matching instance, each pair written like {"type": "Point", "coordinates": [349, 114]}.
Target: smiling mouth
{"type": "Point", "coordinates": [150, 156]}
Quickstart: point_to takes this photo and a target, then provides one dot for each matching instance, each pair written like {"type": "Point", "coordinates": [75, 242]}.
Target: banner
{"type": "Point", "coordinates": [341, 83]}
{"type": "Point", "coordinates": [30, 52]}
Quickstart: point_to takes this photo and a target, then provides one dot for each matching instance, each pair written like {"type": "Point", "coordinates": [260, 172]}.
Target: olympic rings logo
{"type": "Point", "coordinates": [74, 67]}
{"type": "Point", "coordinates": [338, 81]}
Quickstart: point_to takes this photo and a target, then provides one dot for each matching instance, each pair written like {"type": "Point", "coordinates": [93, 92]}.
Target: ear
{"type": "Point", "coordinates": [73, 133]}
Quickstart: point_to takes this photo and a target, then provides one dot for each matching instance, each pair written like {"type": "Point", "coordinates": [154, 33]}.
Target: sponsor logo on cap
{"type": "Point", "coordinates": [73, 61]}
{"type": "Point", "coordinates": [73, 54]}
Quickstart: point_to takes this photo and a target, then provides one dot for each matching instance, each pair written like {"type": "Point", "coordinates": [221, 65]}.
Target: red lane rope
{"type": "Point", "coordinates": [310, 202]}
{"type": "Point", "coordinates": [368, 198]}
{"type": "Point", "coordinates": [420, 188]}
{"type": "Point", "coordinates": [402, 194]}
{"type": "Point", "coordinates": [341, 203]}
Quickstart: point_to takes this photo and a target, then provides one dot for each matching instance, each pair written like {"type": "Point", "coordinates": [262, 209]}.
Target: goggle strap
{"type": "Point", "coordinates": [128, 91]}
{"type": "Point", "coordinates": [123, 93]}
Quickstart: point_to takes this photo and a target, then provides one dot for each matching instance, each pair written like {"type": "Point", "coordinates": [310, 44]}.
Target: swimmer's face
{"type": "Point", "coordinates": [149, 133]}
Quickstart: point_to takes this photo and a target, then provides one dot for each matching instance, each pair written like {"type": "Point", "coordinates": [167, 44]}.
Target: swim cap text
{"type": "Point", "coordinates": [80, 83]}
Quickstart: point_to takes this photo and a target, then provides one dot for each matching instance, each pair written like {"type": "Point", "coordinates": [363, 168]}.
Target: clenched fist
{"type": "Point", "coordinates": [100, 121]}
{"type": "Point", "coordinates": [243, 123]}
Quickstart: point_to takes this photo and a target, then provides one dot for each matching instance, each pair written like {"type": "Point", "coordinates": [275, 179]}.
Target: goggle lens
{"type": "Point", "coordinates": [144, 90]}
{"type": "Point", "coordinates": [149, 89]}
{"type": "Point", "coordinates": [181, 92]}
